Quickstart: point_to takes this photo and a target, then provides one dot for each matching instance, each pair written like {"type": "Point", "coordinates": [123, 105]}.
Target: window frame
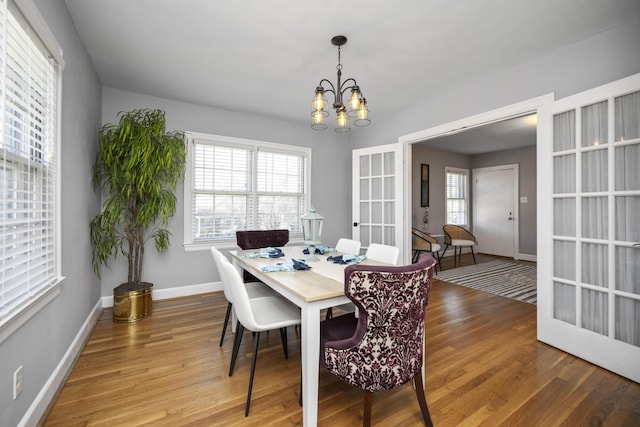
{"type": "Point", "coordinates": [41, 36]}
{"type": "Point", "coordinates": [191, 244]}
{"type": "Point", "coordinates": [458, 171]}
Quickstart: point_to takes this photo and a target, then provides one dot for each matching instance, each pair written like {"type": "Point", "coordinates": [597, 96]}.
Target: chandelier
{"type": "Point", "coordinates": [355, 108]}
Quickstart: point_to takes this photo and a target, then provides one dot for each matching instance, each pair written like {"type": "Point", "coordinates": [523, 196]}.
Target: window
{"type": "Point", "coordinates": [29, 239]}
{"type": "Point", "coordinates": [235, 184]}
{"type": "Point", "coordinates": [457, 196]}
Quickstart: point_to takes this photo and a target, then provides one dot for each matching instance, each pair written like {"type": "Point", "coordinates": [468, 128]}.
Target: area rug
{"type": "Point", "coordinates": [507, 279]}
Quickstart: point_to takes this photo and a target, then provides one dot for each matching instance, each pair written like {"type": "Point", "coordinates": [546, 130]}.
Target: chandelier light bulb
{"type": "Point", "coordinates": [342, 118]}
{"type": "Point", "coordinates": [318, 101]}
{"type": "Point", "coordinates": [362, 111]}
{"type": "Point", "coordinates": [354, 102]}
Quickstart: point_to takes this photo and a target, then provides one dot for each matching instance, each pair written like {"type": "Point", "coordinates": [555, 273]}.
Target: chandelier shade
{"type": "Point", "coordinates": [354, 110]}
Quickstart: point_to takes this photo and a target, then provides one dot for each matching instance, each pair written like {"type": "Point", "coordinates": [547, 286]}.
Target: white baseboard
{"type": "Point", "coordinates": [523, 257]}
{"type": "Point", "coordinates": [527, 257]}
{"type": "Point", "coordinates": [180, 291]}
{"type": "Point", "coordinates": [47, 393]}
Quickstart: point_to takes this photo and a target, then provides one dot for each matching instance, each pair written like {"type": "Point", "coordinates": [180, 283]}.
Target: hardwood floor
{"type": "Point", "coordinates": [484, 367]}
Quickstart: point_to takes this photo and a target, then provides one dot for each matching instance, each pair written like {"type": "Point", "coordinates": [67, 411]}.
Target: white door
{"type": "Point", "coordinates": [589, 227]}
{"type": "Point", "coordinates": [495, 191]}
{"type": "Point", "coordinates": [378, 196]}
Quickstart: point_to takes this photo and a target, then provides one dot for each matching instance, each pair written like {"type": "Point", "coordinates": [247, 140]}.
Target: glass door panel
{"type": "Point", "coordinates": [594, 124]}
{"type": "Point", "coordinates": [565, 311]}
{"type": "Point", "coordinates": [595, 217]}
{"type": "Point", "coordinates": [564, 217]}
{"type": "Point", "coordinates": [594, 171]}
{"type": "Point", "coordinates": [628, 269]}
{"type": "Point", "coordinates": [564, 172]}
{"type": "Point", "coordinates": [626, 170]}
{"type": "Point", "coordinates": [595, 269]}
{"type": "Point", "coordinates": [595, 311]}
{"type": "Point", "coordinates": [628, 318]}
{"type": "Point", "coordinates": [627, 119]}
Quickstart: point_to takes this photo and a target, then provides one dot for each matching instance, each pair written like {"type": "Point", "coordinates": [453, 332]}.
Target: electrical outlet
{"type": "Point", "coordinates": [17, 382]}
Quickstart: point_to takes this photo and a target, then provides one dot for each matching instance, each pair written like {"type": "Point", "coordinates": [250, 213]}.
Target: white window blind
{"type": "Point", "coordinates": [457, 196]}
{"type": "Point", "coordinates": [28, 171]}
{"type": "Point", "coordinates": [240, 184]}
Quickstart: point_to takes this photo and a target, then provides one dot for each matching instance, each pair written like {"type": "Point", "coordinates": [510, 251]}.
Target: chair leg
{"type": "Point", "coordinates": [236, 346]}
{"type": "Point", "coordinates": [283, 338]}
{"type": "Point", "coordinates": [366, 415]}
{"type": "Point", "coordinates": [445, 250]}
{"type": "Point", "coordinates": [253, 370]}
{"type": "Point", "coordinates": [226, 321]}
{"type": "Point", "coordinates": [300, 398]}
{"type": "Point", "coordinates": [435, 267]}
{"type": "Point", "coordinates": [329, 313]}
{"type": "Point", "coordinates": [421, 399]}
{"type": "Point", "coordinates": [474, 255]}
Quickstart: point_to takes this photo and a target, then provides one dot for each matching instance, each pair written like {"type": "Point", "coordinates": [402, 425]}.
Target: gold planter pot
{"type": "Point", "coordinates": [132, 302]}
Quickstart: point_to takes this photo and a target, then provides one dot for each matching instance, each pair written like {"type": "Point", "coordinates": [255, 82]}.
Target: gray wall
{"type": "Point", "coordinates": [525, 158]}
{"type": "Point", "coordinates": [606, 57]}
{"type": "Point", "coordinates": [330, 181]}
{"type": "Point", "coordinates": [40, 344]}
{"type": "Point", "coordinates": [437, 161]}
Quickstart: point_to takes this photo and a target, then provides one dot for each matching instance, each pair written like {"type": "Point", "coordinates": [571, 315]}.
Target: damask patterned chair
{"type": "Point", "coordinates": [382, 348]}
{"type": "Point", "coordinates": [458, 237]}
{"type": "Point", "coordinates": [258, 239]}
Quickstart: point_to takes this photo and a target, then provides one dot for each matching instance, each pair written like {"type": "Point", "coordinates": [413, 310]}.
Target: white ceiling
{"type": "Point", "coordinates": [507, 134]}
{"type": "Point", "coordinates": [267, 57]}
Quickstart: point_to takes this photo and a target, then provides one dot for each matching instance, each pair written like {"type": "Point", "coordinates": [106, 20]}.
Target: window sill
{"type": "Point", "coordinates": [12, 323]}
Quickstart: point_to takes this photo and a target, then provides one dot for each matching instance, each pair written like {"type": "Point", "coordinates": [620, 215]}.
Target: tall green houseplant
{"type": "Point", "coordinates": [137, 168]}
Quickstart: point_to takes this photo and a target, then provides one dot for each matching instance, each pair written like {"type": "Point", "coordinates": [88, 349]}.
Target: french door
{"type": "Point", "coordinates": [589, 225]}
{"type": "Point", "coordinates": [378, 196]}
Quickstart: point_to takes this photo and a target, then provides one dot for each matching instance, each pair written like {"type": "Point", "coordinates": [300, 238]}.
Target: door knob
{"type": "Point", "coordinates": [355, 224]}
{"type": "Point", "coordinates": [510, 218]}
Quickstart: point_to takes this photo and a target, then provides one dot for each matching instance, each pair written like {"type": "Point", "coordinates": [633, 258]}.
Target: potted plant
{"type": "Point", "coordinates": [137, 168]}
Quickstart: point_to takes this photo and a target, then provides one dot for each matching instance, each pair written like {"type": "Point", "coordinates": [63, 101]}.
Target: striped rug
{"type": "Point", "coordinates": [507, 279]}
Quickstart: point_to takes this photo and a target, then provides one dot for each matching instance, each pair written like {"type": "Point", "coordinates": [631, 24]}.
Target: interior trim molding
{"type": "Point", "coordinates": [40, 404]}
{"type": "Point", "coordinates": [175, 292]}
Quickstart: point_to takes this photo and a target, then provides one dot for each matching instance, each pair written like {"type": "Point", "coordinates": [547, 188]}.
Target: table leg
{"type": "Point", "coordinates": [310, 363]}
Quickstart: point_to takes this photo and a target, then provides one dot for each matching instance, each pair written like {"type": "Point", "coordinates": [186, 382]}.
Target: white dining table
{"type": "Point", "coordinates": [312, 290]}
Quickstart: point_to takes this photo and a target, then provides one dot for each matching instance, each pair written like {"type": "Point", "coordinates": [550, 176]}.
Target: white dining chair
{"type": "Point", "coordinates": [377, 252]}
{"type": "Point", "coordinates": [257, 315]}
{"type": "Point", "coordinates": [254, 290]}
{"type": "Point", "coordinates": [383, 253]}
{"type": "Point", "coordinates": [348, 246]}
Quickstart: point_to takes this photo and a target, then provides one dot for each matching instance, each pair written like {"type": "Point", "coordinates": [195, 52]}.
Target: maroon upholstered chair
{"type": "Point", "coordinates": [257, 239]}
{"type": "Point", "coordinates": [382, 348]}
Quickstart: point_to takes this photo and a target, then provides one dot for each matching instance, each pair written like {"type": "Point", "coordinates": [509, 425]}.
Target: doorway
{"type": "Point", "coordinates": [476, 122]}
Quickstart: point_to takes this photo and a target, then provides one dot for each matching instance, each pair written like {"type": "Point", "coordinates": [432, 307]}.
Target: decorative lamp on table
{"type": "Point", "coordinates": [312, 230]}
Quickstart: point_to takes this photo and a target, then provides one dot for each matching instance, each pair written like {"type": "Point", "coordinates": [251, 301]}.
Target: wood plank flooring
{"type": "Point", "coordinates": [484, 368]}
